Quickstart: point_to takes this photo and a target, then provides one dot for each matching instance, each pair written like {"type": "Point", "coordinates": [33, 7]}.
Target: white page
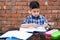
{"type": "Point", "coordinates": [27, 29]}
{"type": "Point", "coordinates": [17, 34]}
{"type": "Point", "coordinates": [41, 29]}
{"type": "Point", "coordinates": [22, 35]}
{"type": "Point", "coordinates": [51, 31]}
{"type": "Point", "coordinates": [31, 29]}
{"type": "Point", "coordinates": [7, 34]}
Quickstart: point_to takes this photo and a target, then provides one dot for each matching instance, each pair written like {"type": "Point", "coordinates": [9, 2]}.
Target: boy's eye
{"type": "Point", "coordinates": [35, 11]}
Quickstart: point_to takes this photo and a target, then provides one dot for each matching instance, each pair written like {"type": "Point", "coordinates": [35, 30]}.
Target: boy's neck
{"type": "Point", "coordinates": [35, 16]}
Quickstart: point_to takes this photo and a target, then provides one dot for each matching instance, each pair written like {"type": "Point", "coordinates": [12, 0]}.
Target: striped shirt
{"type": "Point", "coordinates": [40, 20]}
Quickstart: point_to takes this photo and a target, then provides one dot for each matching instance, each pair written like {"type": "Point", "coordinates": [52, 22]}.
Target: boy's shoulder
{"type": "Point", "coordinates": [42, 16]}
{"type": "Point", "coordinates": [30, 16]}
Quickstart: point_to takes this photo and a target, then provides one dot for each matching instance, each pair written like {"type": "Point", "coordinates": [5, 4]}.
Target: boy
{"type": "Point", "coordinates": [35, 19]}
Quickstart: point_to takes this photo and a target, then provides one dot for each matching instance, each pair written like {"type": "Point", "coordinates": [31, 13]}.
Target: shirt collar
{"type": "Point", "coordinates": [38, 17]}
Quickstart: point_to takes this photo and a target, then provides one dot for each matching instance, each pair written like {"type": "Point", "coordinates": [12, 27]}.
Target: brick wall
{"type": "Point", "coordinates": [12, 12]}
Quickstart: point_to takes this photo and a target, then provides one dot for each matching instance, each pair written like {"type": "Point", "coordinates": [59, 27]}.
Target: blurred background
{"type": "Point", "coordinates": [12, 13]}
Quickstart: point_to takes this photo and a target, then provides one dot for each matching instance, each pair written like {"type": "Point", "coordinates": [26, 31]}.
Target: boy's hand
{"type": "Point", "coordinates": [46, 25]}
{"type": "Point", "coordinates": [35, 25]}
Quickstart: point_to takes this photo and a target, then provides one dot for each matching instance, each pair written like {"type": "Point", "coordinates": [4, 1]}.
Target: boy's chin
{"type": "Point", "coordinates": [36, 15]}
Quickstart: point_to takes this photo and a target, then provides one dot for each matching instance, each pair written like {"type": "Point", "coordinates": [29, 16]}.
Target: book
{"type": "Point", "coordinates": [49, 33]}
{"type": "Point", "coordinates": [31, 29]}
{"type": "Point", "coordinates": [16, 34]}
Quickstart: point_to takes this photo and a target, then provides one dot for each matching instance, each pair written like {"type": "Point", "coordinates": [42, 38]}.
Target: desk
{"type": "Point", "coordinates": [19, 34]}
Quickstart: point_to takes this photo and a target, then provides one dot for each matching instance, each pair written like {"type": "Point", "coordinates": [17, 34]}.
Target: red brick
{"type": "Point", "coordinates": [50, 17]}
{"type": "Point", "coordinates": [6, 23]}
{"type": "Point", "coordinates": [32, 0]}
{"type": "Point", "coordinates": [7, 0]}
{"type": "Point", "coordinates": [42, 0]}
{"type": "Point", "coordinates": [12, 19]}
{"type": "Point", "coordinates": [21, 0]}
{"type": "Point", "coordinates": [8, 7]}
{"type": "Point", "coordinates": [16, 15]}
{"type": "Point", "coordinates": [14, 11]}
{"type": "Point", "coordinates": [2, 18]}
{"type": "Point", "coordinates": [21, 3]}
{"type": "Point", "coordinates": [22, 11]}
{"type": "Point", "coordinates": [13, 22]}
{"type": "Point", "coordinates": [5, 28]}
{"type": "Point", "coordinates": [54, 11]}
{"type": "Point", "coordinates": [52, 0]}
{"type": "Point", "coordinates": [21, 7]}
{"type": "Point", "coordinates": [53, 3]}
{"type": "Point", "coordinates": [2, 11]}
{"type": "Point", "coordinates": [2, 8]}
{"type": "Point", "coordinates": [1, 3]}
{"type": "Point", "coordinates": [43, 7]}
{"type": "Point", "coordinates": [25, 15]}
{"type": "Point", "coordinates": [20, 19]}
{"type": "Point", "coordinates": [2, 0]}
{"type": "Point", "coordinates": [45, 11]}
{"type": "Point", "coordinates": [59, 24]}
{"type": "Point", "coordinates": [54, 15]}
{"type": "Point", "coordinates": [10, 11]}
{"type": "Point", "coordinates": [55, 25]}
{"type": "Point", "coordinates": [19, 22]}
{"type": "Point", "coordinates": [58, 15]}
{"type": "Point", "coordinates": [51, 20]}
{"type": "Point", "coordinates": [26, 7]}
{"type": "Point", "coordinates": [58, 3]}
{"type": "Point", "coordinates": [8, 3]}
{"type": "Point", "coordinates": [38, 0]}
{"type": "Point", "coordinates": [5, 15]}
{"type": "Point", "coordinates": [52, 7]}
{"type": "Point", "coordinates": [42, 3]}
{"type": "Point", "coordinates": [17, 7]}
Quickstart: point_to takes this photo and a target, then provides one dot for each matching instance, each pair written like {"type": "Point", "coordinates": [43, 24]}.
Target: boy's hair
{"type": "Point", "coordinates": [34, 4]}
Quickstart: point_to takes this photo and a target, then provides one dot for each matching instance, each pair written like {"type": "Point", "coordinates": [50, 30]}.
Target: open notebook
{"type": "Point", "coordinates": [22, 33]}
{"type": "Point", "coordinates": [31, 29]}
{"type": "Point", "coordinates": [17, 34]}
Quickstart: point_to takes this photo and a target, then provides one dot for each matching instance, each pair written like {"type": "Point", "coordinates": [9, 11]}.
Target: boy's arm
{"type": "Point", "coordinates": [46, 24]}
{"type": "Point", "coordinates": [29, 25]}
{"type": "Point", "coordinates": [26, 23]}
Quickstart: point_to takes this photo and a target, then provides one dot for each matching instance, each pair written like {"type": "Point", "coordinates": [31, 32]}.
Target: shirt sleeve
{"type": "Point", "coordinates": [25, 21]}
{"type": "Point", "coordinates": [45, 20]}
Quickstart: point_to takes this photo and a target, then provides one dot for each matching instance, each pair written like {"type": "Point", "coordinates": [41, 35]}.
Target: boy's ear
{"type": "Point", "coordinates": [29, 11]}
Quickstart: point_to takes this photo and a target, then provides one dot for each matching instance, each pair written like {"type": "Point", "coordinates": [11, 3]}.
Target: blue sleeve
{"type": "Point", "coordinates": [45, 20]}
{"type": "Point", "coordinates": [25, 21]}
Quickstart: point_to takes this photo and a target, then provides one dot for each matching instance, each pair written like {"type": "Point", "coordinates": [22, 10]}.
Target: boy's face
{"type": "Point", "coordinates": [35, 12]}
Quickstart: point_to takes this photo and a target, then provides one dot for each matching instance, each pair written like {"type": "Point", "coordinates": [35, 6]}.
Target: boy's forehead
{"type": "Point", "coordinates": [35, 9]}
